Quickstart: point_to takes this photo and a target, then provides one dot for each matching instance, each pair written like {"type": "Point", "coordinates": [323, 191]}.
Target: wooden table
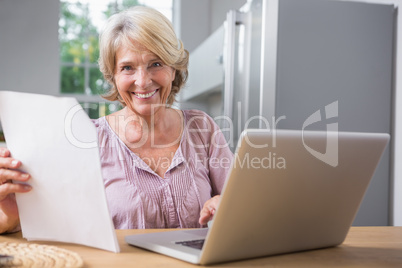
{"type": "Point", "coordinates": [363, 247]}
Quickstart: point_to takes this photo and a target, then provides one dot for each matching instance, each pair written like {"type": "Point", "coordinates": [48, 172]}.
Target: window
{"type": "Point", "coordinates": [79, 26]}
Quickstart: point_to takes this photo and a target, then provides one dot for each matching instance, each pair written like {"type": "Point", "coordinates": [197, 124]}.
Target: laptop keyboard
{"type": "Point", "coordinates": [192, 243]}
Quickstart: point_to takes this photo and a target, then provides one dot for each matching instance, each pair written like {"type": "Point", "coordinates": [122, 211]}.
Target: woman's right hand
{"type": "Point", "coordinates": [9, 218]}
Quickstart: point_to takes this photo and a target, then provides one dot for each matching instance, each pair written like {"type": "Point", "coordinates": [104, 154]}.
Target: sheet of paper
{"type": "Point", "coordinates": [57, 144]}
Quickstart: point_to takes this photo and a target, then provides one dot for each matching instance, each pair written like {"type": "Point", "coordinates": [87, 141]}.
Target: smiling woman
{"type": "Point", "coordinates": [147, 149]}
{"type": "Point", "coordinates": [146, 66]}
{"type": "Point", "coordinates": [79, 25]}
{"type": "Point", "coordinates": [144, 36]}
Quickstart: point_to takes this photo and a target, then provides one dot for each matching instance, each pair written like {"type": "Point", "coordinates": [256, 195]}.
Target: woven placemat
{"type": "Point", "coordinates": [35, 255]}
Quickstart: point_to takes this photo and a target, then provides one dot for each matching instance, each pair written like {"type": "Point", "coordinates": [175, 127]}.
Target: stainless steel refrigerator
{"type": "Point", "coordinates": [303, 64]}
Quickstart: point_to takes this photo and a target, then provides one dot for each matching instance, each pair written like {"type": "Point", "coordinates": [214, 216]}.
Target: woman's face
{"type": "Point", "coordinates": [143, 80]}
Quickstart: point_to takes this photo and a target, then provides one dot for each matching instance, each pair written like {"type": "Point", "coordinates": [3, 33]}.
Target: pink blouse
{"type": "Point", "coordinates": [139, 198]}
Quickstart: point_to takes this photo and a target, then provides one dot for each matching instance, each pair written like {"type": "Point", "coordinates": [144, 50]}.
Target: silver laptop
{"type": "Point", "coordinates": [287, 191]}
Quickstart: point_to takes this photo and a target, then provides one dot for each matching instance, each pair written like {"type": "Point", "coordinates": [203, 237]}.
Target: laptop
{"type": "Point", "coordinates": [287, 191]}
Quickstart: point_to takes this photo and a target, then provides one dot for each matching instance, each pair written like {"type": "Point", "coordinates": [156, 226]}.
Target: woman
{"type": "Point", "coordinates": [162, 167]}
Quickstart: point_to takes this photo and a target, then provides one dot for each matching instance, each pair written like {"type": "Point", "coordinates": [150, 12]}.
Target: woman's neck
{"type": "Point", "coordinates": [162, 128]}
{"type": "Point", "coordinates": [158, 121]}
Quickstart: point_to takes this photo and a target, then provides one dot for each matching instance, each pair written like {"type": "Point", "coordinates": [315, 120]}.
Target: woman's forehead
{"type": "Point", "coordinates": [128, 54]}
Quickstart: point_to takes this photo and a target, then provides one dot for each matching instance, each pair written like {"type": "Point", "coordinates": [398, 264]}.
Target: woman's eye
{"type": "Point", "coordinates": [126, 68]}
{"type": "Point", "coordinates": [156, 64]}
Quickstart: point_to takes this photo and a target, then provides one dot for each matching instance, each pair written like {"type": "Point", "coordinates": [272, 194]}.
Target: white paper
{"type": "Point", "coordinates": [57, 144]}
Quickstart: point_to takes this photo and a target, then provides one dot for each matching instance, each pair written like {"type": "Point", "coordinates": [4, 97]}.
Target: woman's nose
{"type": "Point", "coordinates": [142, 78]}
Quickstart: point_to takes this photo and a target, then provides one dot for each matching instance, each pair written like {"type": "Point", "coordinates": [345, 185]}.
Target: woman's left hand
{"type": "Point", "coordinates": [208, 211]}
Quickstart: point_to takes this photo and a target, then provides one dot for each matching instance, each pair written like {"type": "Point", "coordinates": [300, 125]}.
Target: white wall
{"type": "Point", "coordinates": [396, 185]}
{"type": "Point", "coordinates": [397, 132]}
{"type": "Point", "coordinates": [192, 21]}
{"type": "Point", "coordinates": [397, 169]}
{"type": "Point", "coordinates": [219, 9]}
{"type": "Point", "coordinates": [29, 46]}
{"type": "Point", "coordinates": [195, 20]}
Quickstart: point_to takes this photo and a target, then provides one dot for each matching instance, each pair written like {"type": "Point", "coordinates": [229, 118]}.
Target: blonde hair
{"type": "Point", "coordinates": [146, 27]}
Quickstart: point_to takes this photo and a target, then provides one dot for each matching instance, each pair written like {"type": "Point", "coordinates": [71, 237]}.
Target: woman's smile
{"type": "Point", "coordinates": [145, 95]}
